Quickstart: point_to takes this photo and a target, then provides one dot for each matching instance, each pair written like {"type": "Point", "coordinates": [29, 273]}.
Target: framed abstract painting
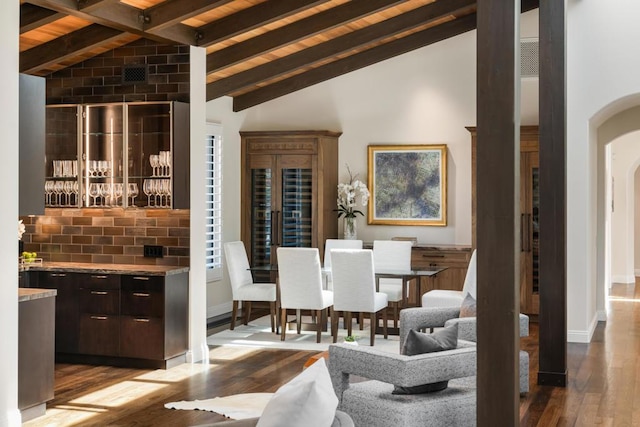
{"type": "Point", "coordinates": [408, 184]}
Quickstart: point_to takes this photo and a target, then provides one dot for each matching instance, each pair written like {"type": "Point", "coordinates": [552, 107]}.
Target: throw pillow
{"type": "Point", "coordinates": [468, 307]}
{"type": "Point", "coordinates": [420, 343]}
{"type": "Point", "coordinates": [308, 399]}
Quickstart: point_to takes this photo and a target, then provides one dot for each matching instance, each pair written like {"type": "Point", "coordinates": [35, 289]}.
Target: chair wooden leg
{"type": "Point", "coordinates": [319, 316]}
{"type": "Point", "coordinates": [298, 320]}
{"type": "Point", "coordinates": [234, 314]}
{"type": "Point", "coordinates": [384, 320]}
{"type": "Point", "coordinates": [334, 324]}
{"type": "Point", "coordinates": [272, 315]}
{"type": "Point", "coordinates": [283, 322]}
{"type": "Point", "coordinates": [361, 320]}
{"type": "Point", "coordinates": [372, 335]}
{"type": "Point", "coordinates": [347, 319]}
{"type": "Point", "coordinates": [247, 311]}
{"type": "Point", "coordinates": [395, 314]}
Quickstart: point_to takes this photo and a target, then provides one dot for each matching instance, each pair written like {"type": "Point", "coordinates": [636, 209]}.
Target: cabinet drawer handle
{"type": "Point", "coordinates": [140, 278]}
{"type": "Point", "coordinates": [99, 293]}
{"type": "Point", "coordinates": [58, 275]}
{"type": "Point", "coordinates": [99, 317]}
{"type": "Point", "coordinates": [141, 320]}
{"type": "Point", "coordinates": [141, 294]}
{"type": "Point", "coordinates": [98, 277]}
{"type": "Point", "coordinates": [432, 256]}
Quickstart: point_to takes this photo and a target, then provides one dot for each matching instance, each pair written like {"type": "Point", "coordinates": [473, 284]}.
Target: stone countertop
{"type": "Point", "coordinates": [78, 267]}
{"type": "Point", "coordinates": [28, 294]}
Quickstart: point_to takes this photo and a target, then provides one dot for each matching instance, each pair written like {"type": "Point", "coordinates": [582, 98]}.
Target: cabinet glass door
{"type": "Point", "coordinates": [297, 191]}
{"type": "Point", "coordinates": [261, 217]}
{"type": "Point", "coordinates": [102, 163]}
{"type": "Point", "coordinates": [61, 187]}
{"type": "Point", "coordinates": [149, 155]}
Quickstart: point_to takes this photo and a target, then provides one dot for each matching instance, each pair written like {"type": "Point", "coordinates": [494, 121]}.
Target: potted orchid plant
{"type": "Point", "coordinates": [348, 195]}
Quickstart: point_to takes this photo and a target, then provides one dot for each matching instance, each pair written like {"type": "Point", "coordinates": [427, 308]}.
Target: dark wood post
{"type": "Point", "coordinates": [498, 204]}
{"type": "Point", "coordinates": [553, 135]}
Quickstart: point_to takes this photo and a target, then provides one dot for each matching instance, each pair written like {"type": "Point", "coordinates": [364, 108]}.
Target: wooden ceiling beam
{"type": "Point", "coordinates": [338, 45]}
{"type": "Point", "coordinates": [72, 44]}
{"type": "Point", "coordinates": [32, 17]}
{"type": "Point", "coordinates": [298, 30]}
{"type": "Point", "coordinates": [251, 18]}
{"type": "Point", "coordinates": [173, 12]}
{"type": "Point", "coordinates": [355, 62]}
{"type": "Point", "coordinates": [119, 16]}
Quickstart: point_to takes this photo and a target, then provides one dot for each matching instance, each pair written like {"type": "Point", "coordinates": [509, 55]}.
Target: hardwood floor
{"type": "Point", "coordinates": [603, 389]}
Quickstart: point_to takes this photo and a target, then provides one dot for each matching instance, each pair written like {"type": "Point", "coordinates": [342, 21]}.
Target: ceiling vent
{"type": "Point", "coordinates": [134, 74]}
{"type": "Point", "coordinates": [529, 58]}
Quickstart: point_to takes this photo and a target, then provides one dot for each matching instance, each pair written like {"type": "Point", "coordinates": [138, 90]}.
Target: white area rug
{"type": "Point", "coordinates": [238, 406]}
{"type": "Point", "coordinates": [257, 334]}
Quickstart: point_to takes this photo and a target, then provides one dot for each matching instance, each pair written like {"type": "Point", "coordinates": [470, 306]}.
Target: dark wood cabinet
{"type": "Point", "coordinates": [115, 318]}
{"type": "Point", "coordinates": [454, 259]}
{"type": "Point", "coordinates": [529, 207]}
{"type": "Point", "coordinates": [289, 190]}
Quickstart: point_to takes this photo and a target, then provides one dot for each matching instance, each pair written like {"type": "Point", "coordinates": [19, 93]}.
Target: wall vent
{"type": "Point", "coordinates": [134, 74]}
{"type": "Point", "coordinates": [529, 58]}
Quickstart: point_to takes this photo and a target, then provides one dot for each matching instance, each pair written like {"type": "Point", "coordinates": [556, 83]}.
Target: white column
{"type": "Point", "coordinates": [9, 48]}
{"type": "Point", "coordinates": [197, 271]}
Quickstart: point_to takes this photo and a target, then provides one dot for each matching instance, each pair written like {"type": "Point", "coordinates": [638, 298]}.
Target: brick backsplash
{"type": "Point", "coordinates": [108, 236]}
{"type": "Point", "coordinates": [99, 79]}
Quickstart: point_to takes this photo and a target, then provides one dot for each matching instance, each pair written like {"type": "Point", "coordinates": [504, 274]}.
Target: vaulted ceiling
{"type": "Point", "coordinates": [257, 50]}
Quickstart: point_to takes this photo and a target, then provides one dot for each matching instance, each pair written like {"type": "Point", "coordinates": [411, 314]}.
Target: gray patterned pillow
{"type": "Point", "coordinates": [420, 343]}
{"type": "Point", "coordinates": [468, 307]}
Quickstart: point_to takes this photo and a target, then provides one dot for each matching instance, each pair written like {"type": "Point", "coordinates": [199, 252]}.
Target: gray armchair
{"type": "Point", "coordinates": [422, 318]}
{"type": "Point", "coordinates": [372, 403]}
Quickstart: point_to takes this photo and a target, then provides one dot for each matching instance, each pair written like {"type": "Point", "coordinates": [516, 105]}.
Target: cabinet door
{"type": "Point", "coordinates": [142, 296]}
{"type": "Point", "coordinates": [61, 186]}
{"type": "Point", "coordinates": [32, 141]}
{"type": "Point", "coordinates": [102, 159]}
{"type": "Point", "coordinates": [67, 308]}
{"type": "Point", "coordinates": [99, 334]}
{"type": "Point", "coordinates": [141, 337]}
{"type": "Point", "coordinates": [294, 217]}
{"type": "Point", "coordinates": [261, 195]}
{"type": "Point", "coordinates": [529, 233]}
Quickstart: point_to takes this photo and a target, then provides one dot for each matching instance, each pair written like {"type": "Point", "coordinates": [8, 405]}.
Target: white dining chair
{"type": "Point", "coordinates": [300, 280]}
{"type": "Point", "coordinates": [449, 298]}
{"type": "Point", "coordinates": [243, 287]}
{"type": "Point", "coordinates": [392, 255]}
{"type": "Point", "coordinates": [331, 244]}
{"type": "Point", "coordinates": [354, 290]}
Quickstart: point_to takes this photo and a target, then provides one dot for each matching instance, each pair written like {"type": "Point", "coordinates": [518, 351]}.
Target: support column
{"type": "Point", "coordinates": [553, 136]}
{"type": "Point", "coordinates": [498, 206]}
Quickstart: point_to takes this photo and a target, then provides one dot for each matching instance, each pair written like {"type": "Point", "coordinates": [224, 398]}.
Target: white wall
{"type": "Point", "coordinates": [9, 30]}
{"type": "Point", "coordinates": [426, 96]}
{"type": "Point", "coordinates": [636, 221]}
{"type": "Point", "coordinates": [601, 70]}
{"type": "Point", "coordinates": [625, 155]}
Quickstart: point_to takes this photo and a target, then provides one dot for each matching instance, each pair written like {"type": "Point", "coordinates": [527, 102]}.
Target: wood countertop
{"type": "Point", "coordinates": [78, 267]}
{"type": "Point", "coordinates": [28, 294]}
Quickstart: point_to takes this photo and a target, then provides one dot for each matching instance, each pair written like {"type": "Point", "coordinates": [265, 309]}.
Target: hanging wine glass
{"type": "Point", "coordinates": [148, 190]}
{"type": "Point", "coordinates": [133, 192]}
{"type": "Point", "coordinates": [94, 192]}
{"type": "Point", "coordinates": [117, 193]}
{"type": "Point", "coordinates": [58, 188]}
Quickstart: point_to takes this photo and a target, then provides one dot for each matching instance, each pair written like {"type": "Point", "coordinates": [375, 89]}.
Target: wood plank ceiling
{"type": "Point", "coordinates": [257, 50]}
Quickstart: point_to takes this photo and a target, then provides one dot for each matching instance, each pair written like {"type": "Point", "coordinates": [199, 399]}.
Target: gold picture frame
{"type": "Point", "coordinates": [408, 184]}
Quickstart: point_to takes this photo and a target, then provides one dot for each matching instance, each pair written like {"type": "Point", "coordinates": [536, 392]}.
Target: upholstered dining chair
{"type": "Point", "coordinates": [300, 280]}
{"type": "Point", "coordinates": [450, 298]}
{"type": "Point", "coordinates": [354, 289]}
{"type": "Point", "coordinates": [243, 287]}
{"type": "Point", "coordinates": [392, 255]}
{"type": "Point", "coordinates": [331, 244]}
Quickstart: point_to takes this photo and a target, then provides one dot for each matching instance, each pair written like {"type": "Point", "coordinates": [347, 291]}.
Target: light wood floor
{"type": "Point", "coordinates": [603, 389]}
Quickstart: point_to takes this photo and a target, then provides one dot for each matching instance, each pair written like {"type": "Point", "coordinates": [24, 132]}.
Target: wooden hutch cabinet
{"type": "Point", "coordinates": [529, 208]}
{"type": "Point", "coordinates": [289, 185]}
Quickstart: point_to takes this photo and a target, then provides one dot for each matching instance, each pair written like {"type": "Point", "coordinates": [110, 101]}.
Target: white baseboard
{"type": "Point", "coordinates": [12, 418]}
{"type": "Point", "coordinates": [601, 315]}
{"type": "Point", "coordinates": [623, 279]}
{"type": "Point", "coordinates": [584, 337]}
{"type": "Point", "coordinates": [219, 309]}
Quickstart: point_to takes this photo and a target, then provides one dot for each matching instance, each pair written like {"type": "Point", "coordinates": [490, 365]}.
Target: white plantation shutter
{"type": "Point", "coordinates": [214, 202]}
